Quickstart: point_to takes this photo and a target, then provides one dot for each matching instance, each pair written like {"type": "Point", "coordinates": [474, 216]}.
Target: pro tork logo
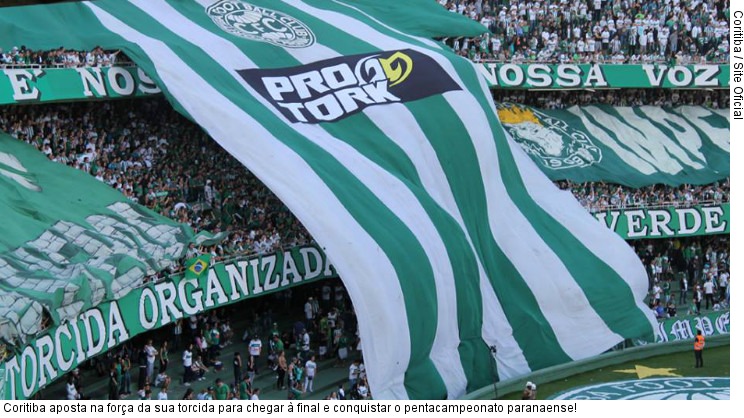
{"type": "Point", "coordinates": [330, 90]}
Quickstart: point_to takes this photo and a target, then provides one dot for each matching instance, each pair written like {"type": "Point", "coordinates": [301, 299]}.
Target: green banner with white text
{"type": "Point", "coordinates": [685, 328]}
{"type": "Point", "coordinates": [668, 222]}
{"type": "Point", "coordinates": [609, 76]}
{"type": "Point", "coordinates": [100, 328]}
{"type": "Point", "coordinates": [35, 85]}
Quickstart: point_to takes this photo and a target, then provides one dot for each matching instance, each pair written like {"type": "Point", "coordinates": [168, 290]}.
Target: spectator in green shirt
{"type": "Point", "coordinates": [221, 390]}
{"type": "Point", "coordinates": [244, 389]}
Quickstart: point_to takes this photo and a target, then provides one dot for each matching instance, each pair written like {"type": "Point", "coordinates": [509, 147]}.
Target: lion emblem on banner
{"type": "Point", "coordinates": [551, 141]}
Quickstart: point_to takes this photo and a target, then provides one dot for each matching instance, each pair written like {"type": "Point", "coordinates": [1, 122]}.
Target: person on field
{"type": "Point", "coordinates": [529, 392]}
{"type": "Point", "coordinates": [698, 348]}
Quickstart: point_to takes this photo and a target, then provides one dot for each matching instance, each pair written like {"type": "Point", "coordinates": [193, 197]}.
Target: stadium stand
{"type": "Point", "coordinates": [596, 31]}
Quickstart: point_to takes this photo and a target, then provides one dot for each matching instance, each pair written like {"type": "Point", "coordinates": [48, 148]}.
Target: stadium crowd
{"type": "Point", "coordinates": [203, 357]}
{"type": "Point", "coordinates": [609, 31]}
{"type": "Point", "coordinates": [60, 58]}
{"type": "Point", "coordinates": [714, 99]}
{"type": "Point", "coordinates": [157, 158]}
{"type": "Point", "coordinates": [685, 272]}
{"type": "Point", "coordinates": [599, 196]}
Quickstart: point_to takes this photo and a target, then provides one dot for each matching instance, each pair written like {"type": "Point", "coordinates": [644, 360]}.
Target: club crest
{"type": "Point", "coordinates": [260, 24]}
{"type": "Point", "coordinates": [551, 141]}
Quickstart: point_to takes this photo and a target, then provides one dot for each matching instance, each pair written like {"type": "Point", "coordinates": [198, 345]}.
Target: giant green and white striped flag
{"type": "Point", "coordinates": [388, 149]}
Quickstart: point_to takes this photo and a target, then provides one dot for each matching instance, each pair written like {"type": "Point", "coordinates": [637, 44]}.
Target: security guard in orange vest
{"type": "Point", "coordinates": [699, 344]}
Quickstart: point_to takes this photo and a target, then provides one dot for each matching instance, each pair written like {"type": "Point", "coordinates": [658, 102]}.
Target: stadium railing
{"type": "Point", "coordinates": [662, 205]}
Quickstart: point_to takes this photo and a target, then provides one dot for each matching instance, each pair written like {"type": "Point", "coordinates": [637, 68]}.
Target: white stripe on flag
{"type": "Point", "coordinates": [279, 166]}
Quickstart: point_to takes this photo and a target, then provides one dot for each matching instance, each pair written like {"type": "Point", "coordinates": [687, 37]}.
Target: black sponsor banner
{"type": "Point", "coordinates": [332, 89]}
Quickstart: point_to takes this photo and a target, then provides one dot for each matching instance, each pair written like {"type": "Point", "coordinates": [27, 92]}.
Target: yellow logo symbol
{"type": "Point", "coordinates": [513, 115]}
{"type": "Point", "coordinates": [397, 67]}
